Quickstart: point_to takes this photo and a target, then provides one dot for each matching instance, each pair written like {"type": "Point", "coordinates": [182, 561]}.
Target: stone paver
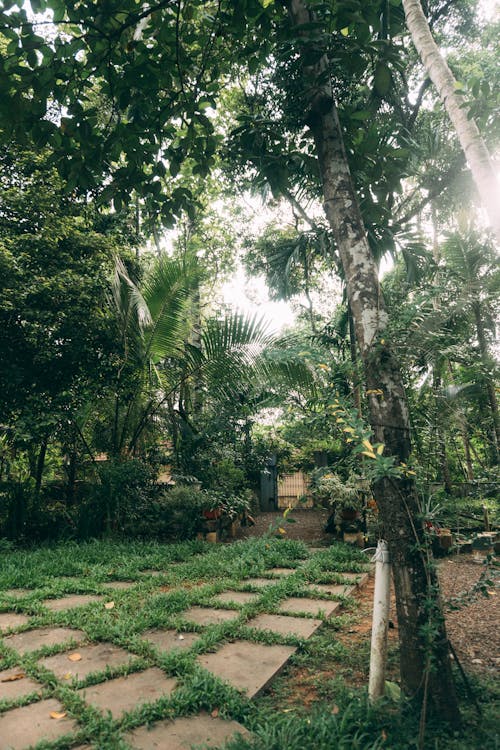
{"type": "Point", "coordinates": [332, 589]}
{"type": "Point", "coordinates": [258, 583]}
{"type": "Point", "coordinates": [280, 571]}
{"type": "Point", "coordinates": [308, 606]}
{"type": "Point", "coordinates": [14, 683]}
{"type": "Point", "coordinates": [32, 640]}
{"type": "Point", "coordinates": [166, 640]}
{"type": "Point", "coordinates": [126, 693]}
{"type": "Point", "coordinates": [94, 658]}
{"type": "Point", "coordinates": [118, 585]}
{"type": "Point", "coordinates": [249, 667]}
{"type": "Point", "coordinates": [183, 733]}
{"type": "Point", "coordinates": [152, 572]}
{"type": "Point", "coordinates": [23, 727]}
{"type": "Point", "coordinates": [238, 597]}
{"type": "Point", "coordinates": [16, 593]}
{"type": "Point", "coordinates": [358, 578]}
{"type": "Point", "coordinates": [68, 602]}
{"type": "Point", "coordinates": [9, 620]}
{"type": "Point", "coordinates": [283, 625]}
{"type": "Point", "coordinates": [206, 616]}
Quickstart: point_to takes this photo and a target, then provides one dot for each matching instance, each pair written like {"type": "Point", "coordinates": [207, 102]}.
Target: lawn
{"type": "Point", "coordinates": [147, 594]}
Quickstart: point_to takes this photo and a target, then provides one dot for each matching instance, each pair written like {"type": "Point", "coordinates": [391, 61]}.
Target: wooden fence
{"type": "Point", "coordinates": [292, 489]}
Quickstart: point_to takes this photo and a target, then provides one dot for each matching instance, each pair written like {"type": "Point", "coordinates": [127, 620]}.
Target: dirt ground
{"type": "Point", "coordinates": [472, 629]}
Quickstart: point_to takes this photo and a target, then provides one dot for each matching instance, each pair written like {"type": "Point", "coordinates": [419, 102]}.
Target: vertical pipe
{"type": "Point", "coordinates": [381, 601]}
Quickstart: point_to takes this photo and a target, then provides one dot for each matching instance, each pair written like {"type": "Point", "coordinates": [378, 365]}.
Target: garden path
{"type": "Point", "coordinates": [57, 684]}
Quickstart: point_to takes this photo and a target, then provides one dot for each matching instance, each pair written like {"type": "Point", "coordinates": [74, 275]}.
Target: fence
{"type": "Point", "coordinates": [292, 489]}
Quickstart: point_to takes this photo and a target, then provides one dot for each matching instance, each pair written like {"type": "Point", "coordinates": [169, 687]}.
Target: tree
{"type": "Point", "coordinates": [388, 408]}
{"type": "Point", "coordinates": [467, 131]}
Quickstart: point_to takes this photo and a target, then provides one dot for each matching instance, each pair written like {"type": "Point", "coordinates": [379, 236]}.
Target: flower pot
{"type": "Point", "coordinates": [212, 515]}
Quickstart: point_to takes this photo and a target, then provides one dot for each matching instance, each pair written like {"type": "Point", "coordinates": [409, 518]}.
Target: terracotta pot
{"type": "Point", "coordinates": [211, 515]}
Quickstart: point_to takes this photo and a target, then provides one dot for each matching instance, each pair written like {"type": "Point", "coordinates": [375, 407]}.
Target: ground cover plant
{"type": "Point", "coordinates": [140, 588]}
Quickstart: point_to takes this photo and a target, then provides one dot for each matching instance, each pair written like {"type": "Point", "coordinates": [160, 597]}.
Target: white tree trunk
{"type": "Point", "coordinates": [467, 131]}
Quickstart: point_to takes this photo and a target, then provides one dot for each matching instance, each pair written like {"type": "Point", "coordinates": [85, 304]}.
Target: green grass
{"type": "Point", "coordinates": [277, 719]}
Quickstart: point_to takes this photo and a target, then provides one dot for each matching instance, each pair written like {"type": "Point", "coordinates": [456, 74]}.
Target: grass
{"type": "Point", "coordinates": [192, 573]}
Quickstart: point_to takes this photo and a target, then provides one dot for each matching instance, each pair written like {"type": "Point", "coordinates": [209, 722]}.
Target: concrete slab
{"type": "Point", "coordinates": [183, 733]}
{"type": "Point", "coordinates": [69, 602]}
{"type": "Point", "coordinates": [316, 607]}
{"type": "Point", "coordinates": [166, 640]}
{"type": "Point", "coordinates": [118, 585]}
{"type": "Point", "coordinates": [23, 727]}
{"type": "Point", "coordinates": [332, 589]}
{"type": "Point", "coordinates": [284, 625]}
{"type": "Point", "coordinates": [206, 616]}
{"type": "Point", "coordinates": [32, 640]}
{"type": "Point", "coordinates": [94, 658]}
{"type": "Point", "coordinates": [236, 597]}
{"type": "Point", "coordinates": [14, 683]}
{"type": "Point", "coordinates": [126, 693]}
{"type": "Point", "coordinates": [152, 572]}
{"type": "Point", "coordinates": [247, 666]}
{"type": "Point", "coordinates": [10, 620]}
{"type": "Point", "coordinates": [280, 571]}
{"type": "Point", "coordinates": [259, 583]}
{"type": "Point", "coordinates": [357, 578]}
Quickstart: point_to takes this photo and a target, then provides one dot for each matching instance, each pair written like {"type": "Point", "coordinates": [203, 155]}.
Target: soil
{"type": "Point", "coordinates": [472, 628]}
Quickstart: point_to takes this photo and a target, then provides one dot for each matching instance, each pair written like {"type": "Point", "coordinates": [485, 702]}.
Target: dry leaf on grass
{"type": "Point", "coordinates": [75, 657]}
{"type": "Point", "coordinates": [67, 676]}
{"type": "Point", "coordinates": [109, 605]}
{"type": "Point", "coordinates": [57, 714]}
{"type": "Point", "coordinates": [12, 677]}
{"type": "Point", "coordinates": [215, 713]}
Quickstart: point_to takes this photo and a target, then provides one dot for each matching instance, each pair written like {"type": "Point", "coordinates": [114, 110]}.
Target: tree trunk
{"type": "Point", "coordinates": [467, 131]}
{"type": "Point", "coordinates": [354, 359]}
{"type": "Point", "coordinates": [416, 586]}
{"type": "Point", "coordinates": [40, 465]}
{"type": "Point", "coordinates": [490, 387]}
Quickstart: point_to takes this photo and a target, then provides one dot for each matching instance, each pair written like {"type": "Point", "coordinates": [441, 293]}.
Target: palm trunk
{"type": "Point", "coordinates": [415, 581]}
{"type": "Point", "coordinates": [467, 131]}
{"type": "Point", "coordinates": [490, 387]}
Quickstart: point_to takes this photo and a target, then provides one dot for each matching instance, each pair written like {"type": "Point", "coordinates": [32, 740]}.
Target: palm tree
{"type": "Point", "coordinates": [467, 131]}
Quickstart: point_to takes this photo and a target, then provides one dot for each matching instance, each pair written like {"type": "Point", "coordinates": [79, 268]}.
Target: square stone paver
{"type": "Point", "coordinates": [23, 727]}
{"type": "Point", "coordinates": [308, 606]}
{"type": "Point", "coordinates": [206, 616]}
{"type": "Point", "coordinates": [125, 693]}
{"type": "Point", "coordinates": [14, 683]}
{"type": "Point", "coordinates": [238, 597]}
{"type": "Point", "coordinates": [332, 589]}
{"type": "Point", "coordinates": [353, 578]}
{"type": "Point", "coordinates": [68, 602]}
{"type": "Point", "coordinates": [280, 571]}
{"type": "Point", "coordinates": [93, 659]}
{"type": "Point", "coordinates": [283, 625]}
{"type": "Point", "coordinates": [166, 640]}
{"type": "Point", "coordinates": [118, 585]}
{"type": "Point", "coordinates": [249, 667]}
{"type": "Point", "coordinates": [152, 572]}
{"type": "Point", "coordinates": [183, 733]}
{"type": "Point", "coordinates": [32, 640]}
{"type": "Point", "coordinates": [259, 583]}
{"type": "Point", "coordinates": [9, 620]}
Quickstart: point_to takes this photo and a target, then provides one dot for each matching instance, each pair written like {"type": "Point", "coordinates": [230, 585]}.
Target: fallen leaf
{"type": "Point", "coordinates": [57, 714]}
{"type": "Point", "coordinates": [12, 677]}
{"type": "Point", "coordinates": [67, 676]}
{"type": "Point", "coordinates": [75, 657]}
{"type": "Point", "coordinates": [215, 713]}
{"type": "Point", "coordinates": [335, 710]}
{"type": "Point", "coordinates": [109, 605]}
{"type": "Point", "coordinates": [180, 638]}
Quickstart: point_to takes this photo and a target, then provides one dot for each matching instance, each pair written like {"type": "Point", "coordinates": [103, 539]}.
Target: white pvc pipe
{"type": "Point", "coordinates": [381, 603]}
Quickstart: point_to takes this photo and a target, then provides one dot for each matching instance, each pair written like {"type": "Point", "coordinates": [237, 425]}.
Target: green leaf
{"type": "Point", "coordinates": [382, 79]}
